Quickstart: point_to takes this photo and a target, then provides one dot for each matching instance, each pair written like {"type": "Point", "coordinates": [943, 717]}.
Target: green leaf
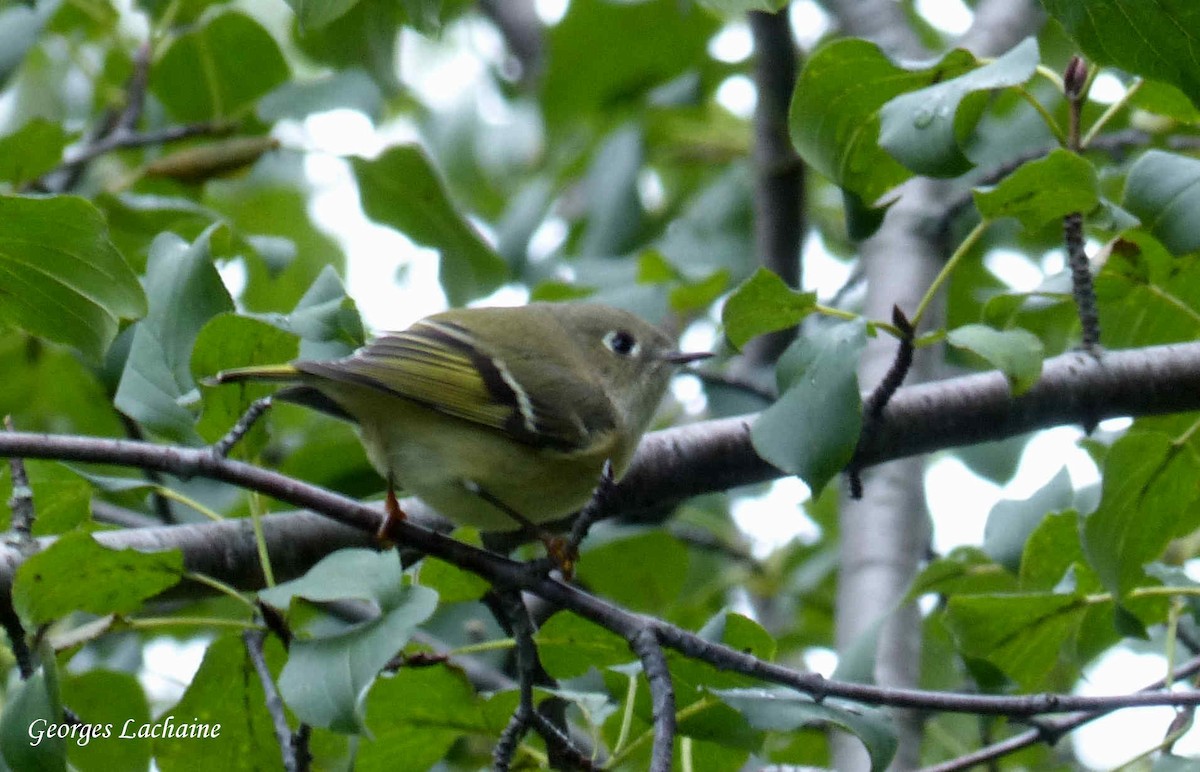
{"type": "Point", "coordinates": [451, 583]}
{"type": "Point", "coordinates": [595, 67]}
{"type": "Point", "coordinates": [366, 37]}
{"type": "Point", "coordinates": [923, 129]}
{"type": "Point", "coordinates": [1158, 40]}
{"type": "Point", "coordinates": [614, 214]}
{"type": "Point", "coordinates": [654, 268]}
{"type": "Point", "coordinates": [60, 276]}
{"type": "Point", "coordinates": [198, 80]}
{"type": "Point", "coordinates": [77, 574]}
{"type": "Point", "coordinates": [62, 500]}
{"type": "Point", "coordinates": [135, 220]}
{"type": "Point", "coordinates": [401, 188]}
{"type": "Point", "coordinates": [108, 699]}
{"type": "Point", "coordinates": [645, 572]}
{"type": "Point", "coordinates": [51, 389]}
{"type": "Point", "coordinates": [857, 660]}
{"type": "Point", "coordinates": [691, 296]}
{"type": "Point", "coordinates": [314, 14]}
{"type": "Point", "coordinates": [1163, 191]}
{"type": "Point", "coordinates": [812, 430]}
{"type": "Point", "coordinates": [1011, 522]}
{"type": "Point", "coordinates": [225, 692]}
{"type": "Point", "coordinates": [328, 670]}
{"type": "Point", "coordinates": [19, 30]}
{"type": "Point", "coordinates": [763, 303]}
{"type": "Point", "coordinates": [227, 341]}
{"type": "Point", "coordinates": [1149, 497]}
{"type": "Point", "coordinates": [275, 277]}
{"type": "Point", "coordinates": [1017, 353]}
{"type": "Point", "coordinates": [558, 292]}
{"type": "Point", "coordinates": [1021, 634]}
{"type": "Point", "coordinates": [783, 710]}
{"type": "Point", "coordinates": [1146, 295]}
{"type": "Point", "coordinates": [741, 633]}
{"type": "Point", "coordinates": [326, 319]}
{"type": "Point", "coordinates": [966, 570]}
{"type": "Point", "coordinates": [1166, 100]}
{"type": "Point", "coordinates": [31, 151]}
{"type": "Point", "coordinates": [30, 708]}
{"type": "Point", "coordinates": [1041, 191]}
{"type": "Point", "coordinates": [349, 90]}
{"type": "Point", "coordinates": [185, 291]}
{"type": "Point", "coordinates": [1053, 548]}
{"type": "Point", "coordinates": [835, 112]}
{"type": "Point", "coordinates": [414, 718]}
{"type": "Point", "coordinates": [569, 645]}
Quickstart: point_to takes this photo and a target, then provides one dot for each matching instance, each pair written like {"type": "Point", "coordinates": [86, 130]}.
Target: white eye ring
{"type": "Point", "coordinates": [621, 343]}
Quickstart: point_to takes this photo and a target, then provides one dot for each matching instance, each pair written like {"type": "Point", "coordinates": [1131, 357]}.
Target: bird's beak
{"type": "Point", "coordinates": [683, 358]}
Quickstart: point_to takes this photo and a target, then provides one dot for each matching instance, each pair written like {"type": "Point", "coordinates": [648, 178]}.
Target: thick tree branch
{"type": "Point", "coordinates": [677, 463]}
{"type": "Point", "coordinates": [717, 455]}
{"type": "Point", "coordinates": [1154, 380]}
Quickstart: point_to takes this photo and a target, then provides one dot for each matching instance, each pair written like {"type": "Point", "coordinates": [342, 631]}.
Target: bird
{"type": "Point", "coordinates": [501, 418]}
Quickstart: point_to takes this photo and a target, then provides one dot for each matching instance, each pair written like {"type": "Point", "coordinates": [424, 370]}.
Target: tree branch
{"type": "Point", "coordinates": [974, 407]}
{"type": "Point", "coordinates": [294, 759]}
{"type": "Point", "coordinates": [1053, 728]}
{"type": "Point", "coordinates": [662, 696]}
{"type": "Point", "coordinates": [717, 455]}
{"type": "Point", "coordinates": [779, 174]}
{"type": "Point", "coordinates": [670, 465]}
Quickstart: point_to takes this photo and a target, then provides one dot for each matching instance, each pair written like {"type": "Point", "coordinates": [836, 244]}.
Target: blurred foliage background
{"type": "Point", "coordinates": [185, 185]}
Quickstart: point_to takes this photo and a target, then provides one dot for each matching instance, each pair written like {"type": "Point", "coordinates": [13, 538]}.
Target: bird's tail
{"type": "Point", "coordinates": [257, 373]}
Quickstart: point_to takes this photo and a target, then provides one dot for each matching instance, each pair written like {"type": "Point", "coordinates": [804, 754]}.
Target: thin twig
{"type": "Point", "coordinates": [21, 501]}
{"type": "Point", "coordinates": [594, 510]}
{"type": "Point", "coordinates": [1122, 383]}
{"type": "Point", "coordinates": [517, 616]}
{"type": "Point", "coordinates": [161, 504]}
{"type": "Point", "coordinates": [1049, 730]}
{"type": "Point", "coordinates": [565, 752]}
{"type": "Point", "coordinates": [508, 573]}
{"type": "Point", "coordinates": [164, 136]}
{"type": "Point", "coordinates": [16, 637]}
{"type": "Point", "coordinates": [883, 393]}
{"type": "Point", "coordinates": [115, 130]}
{"type": "Point", "coordinates": [1075, 82]}
{"type": "Point", "coordinates": [1082, 287]}
{"type": "Point", "coordinates": [255, 411]}
{"type": "Point", "coordinates": [1117, 144]}
{"type": "Point", "coordinates": [292, 761]}
{"type": "Point", "coordinates": [646, 645]}
{"type": "Point", "coordinates": [135, 91]}
{"type": "Point", "coordinates": [275, 622]}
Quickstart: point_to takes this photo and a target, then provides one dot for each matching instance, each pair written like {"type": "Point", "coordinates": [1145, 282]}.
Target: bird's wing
{"type": "Point", "coordinates": [439, 365]}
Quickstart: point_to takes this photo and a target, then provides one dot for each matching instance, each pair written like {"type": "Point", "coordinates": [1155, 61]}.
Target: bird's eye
{"type": "Point", "coordinates": [621, 342]}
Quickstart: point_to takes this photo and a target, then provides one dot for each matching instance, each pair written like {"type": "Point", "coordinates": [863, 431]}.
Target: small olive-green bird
{"type": "Point", "coordinates": [478, 406]}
